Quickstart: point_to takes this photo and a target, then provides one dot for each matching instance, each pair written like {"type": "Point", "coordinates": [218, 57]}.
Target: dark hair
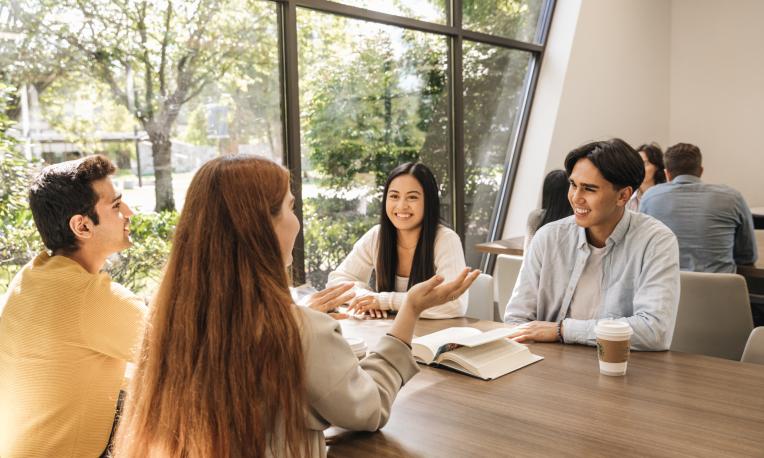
{"type": "Point", "coordinates": [63, 190]}
{"type": "Point", "coordinates": [423, 265]}
{"type": "Point", "coordinates": [614, 158]}
{"type": "Point", "coordinates": [683, 159]}
{"type": "Point", "coordinates": [655, 156]}
{"type": "Point", "coordinates": [554, 197]}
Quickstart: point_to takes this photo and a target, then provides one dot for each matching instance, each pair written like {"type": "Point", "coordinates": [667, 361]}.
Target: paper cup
{"type": "Point", "coordinates": [358, 345]}
{"type": "Point", "coordinates": [613, 341]}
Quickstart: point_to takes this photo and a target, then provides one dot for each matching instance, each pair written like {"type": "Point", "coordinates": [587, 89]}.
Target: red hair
{"type": "Point", "coordinates": [222, 363]}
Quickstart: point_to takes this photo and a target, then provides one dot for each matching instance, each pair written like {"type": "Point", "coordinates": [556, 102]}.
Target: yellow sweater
{"type": "Point", "coordinates": [65, 336]}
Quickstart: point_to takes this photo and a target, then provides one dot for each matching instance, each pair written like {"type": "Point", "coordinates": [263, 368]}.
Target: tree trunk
{"type": "Point", "coordinates": [161, 147]}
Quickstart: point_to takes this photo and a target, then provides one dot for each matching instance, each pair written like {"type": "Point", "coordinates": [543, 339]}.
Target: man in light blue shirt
{"type": "Point", "coordinates": [602, 262]}
{"type": "Point", "coordinates": [712, 222]}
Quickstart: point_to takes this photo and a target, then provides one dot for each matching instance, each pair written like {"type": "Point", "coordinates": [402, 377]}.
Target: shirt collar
{"type": "Point", "coordinates": [616, 236]}
{"type": "Point", "coordinates": [682, 179]}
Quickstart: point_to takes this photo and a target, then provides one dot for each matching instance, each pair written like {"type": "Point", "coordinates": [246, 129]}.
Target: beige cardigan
{"type": "Point", "coordinates": [341, 392]}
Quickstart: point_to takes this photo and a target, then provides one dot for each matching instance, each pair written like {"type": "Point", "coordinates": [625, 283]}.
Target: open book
{"type": "Point", "coordinates": [487, 355]}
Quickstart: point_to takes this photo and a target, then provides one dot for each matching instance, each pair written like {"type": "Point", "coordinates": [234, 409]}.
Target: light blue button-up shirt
{"type": "Point", "coordinates": [712, 222]}
{"type": "Point", "coordinates": [640, 281]}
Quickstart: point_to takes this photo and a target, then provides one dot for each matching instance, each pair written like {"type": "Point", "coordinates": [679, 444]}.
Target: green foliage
{"type": "Point", "coordinates": [20, 240]}
{"type": "Point", "coordinates": [363, 118]}
{"type": "Point", "coordinates": [79, 107]}
{"type": "Point", "coordinates": [508, 18]}
{"type": "Point", "coordinates": [139, 268]}
{"type": "Point", "coordinates": [332, 226]}
{"type": "Point", "coordinates": [196, 130]}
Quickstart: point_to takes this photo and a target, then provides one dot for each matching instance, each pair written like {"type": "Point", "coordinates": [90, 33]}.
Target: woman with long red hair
{"type": "Point", "coordinates": [229, 365]}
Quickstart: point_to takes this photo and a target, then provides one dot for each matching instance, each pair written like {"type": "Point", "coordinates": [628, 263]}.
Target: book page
{"type": "Point", "coordinates": [486, 354]}
{"type": "Point", "coordinates": [483, 338]}
{"type": "Point", "coordinates": [425, 348]}
{"type": "Point", "coordinates": [491, 360]}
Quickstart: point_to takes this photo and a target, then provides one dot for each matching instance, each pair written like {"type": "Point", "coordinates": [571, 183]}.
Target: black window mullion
{"type": "Point", "coordinates": [456, 96]}
{"type": "Point", "coordinates": [291, 114]}
{"type": "Point", "coordinates": [501, 209]}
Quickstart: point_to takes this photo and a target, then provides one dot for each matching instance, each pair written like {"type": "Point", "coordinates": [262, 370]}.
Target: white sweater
{"type": "Point", "coordinates": [359, 265]}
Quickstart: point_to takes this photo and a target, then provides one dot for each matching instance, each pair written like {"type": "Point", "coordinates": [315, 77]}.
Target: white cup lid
{"type": "Point", "coordinates": [356, 344]}
{"type": "Point", "coordinates": [613, 329]}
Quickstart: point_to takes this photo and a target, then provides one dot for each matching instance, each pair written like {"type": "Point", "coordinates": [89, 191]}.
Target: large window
{"type": "Point", "coordinates": [372, 96]}
{"type": "Point", "coordinates": [447, 83]}
{"type": "Point", "coordinates": [494, 89]}
{"type": "Point", "coordinates": [338, 91]}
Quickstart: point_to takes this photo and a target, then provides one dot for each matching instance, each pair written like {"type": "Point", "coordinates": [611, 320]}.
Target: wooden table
{"type": "Point", "coordinates": [669, 404]}
{"type": "Point", "coordinates": [513, 245]}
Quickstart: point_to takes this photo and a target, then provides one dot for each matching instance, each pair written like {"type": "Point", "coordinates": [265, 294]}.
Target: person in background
{"type": "Point", "coordinates": [66, 330]}
{"type": "Point", "coordinates": [554, 204]}
{"type": "Point", "coordinates": [602, 262]}
{"type": "Point", "coordinates": [655, 172]}
{"type": "Point", "coordinates": [230, 366]}
{"type": "Point", "coordinates": [408, 246]}
{"type": "Point", "coordinates": [712, 222]}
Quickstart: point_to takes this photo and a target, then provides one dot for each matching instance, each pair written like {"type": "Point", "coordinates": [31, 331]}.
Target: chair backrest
{"type": "Point", "coordinates": [714, 316]}
{"type": "Point", "coordinates": [505, 276]}
{"type": "Point", "coordinates": [480, 303]}
{"type": "Point", "coordinates": [754, 349]}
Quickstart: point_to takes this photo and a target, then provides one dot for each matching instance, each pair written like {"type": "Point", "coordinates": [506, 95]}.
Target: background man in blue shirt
{"type": "Point", "coordinates": [712, 222]}
{"type": "Point", "coordinates": [602, 262]}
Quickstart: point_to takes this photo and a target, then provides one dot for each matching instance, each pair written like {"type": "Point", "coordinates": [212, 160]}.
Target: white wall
{"type": "Point", "coordinates": [649, 70]}
{"type": "Point", "coordinates": [614, 82]}
{"type": "Point", "coordinates": [541, 123]}
{"type": "Point", "coordinates": [717, 89]}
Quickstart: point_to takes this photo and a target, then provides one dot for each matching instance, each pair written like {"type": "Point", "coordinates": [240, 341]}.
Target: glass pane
{"type": "Point", "coordinates": [424, 10]}
{"type": "Point", "coordinates": [517, 19]}
{"type": "Point", "coordinates": [231, 104]}
{"type": "Point", "coordinates": [371, 97]}
{"type": "Point", "coordinates": [493, 94]}
{"type": "Point", "coordinates": [184, 94]}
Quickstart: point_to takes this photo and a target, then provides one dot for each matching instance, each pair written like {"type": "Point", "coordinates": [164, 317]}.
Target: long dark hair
{"type": "Point", "coordinates": [222, 369]}
{"type": "Point", "coordinates": [554, 197]}
{"type": "Point", "coordinates": [423, 265]}
{"type": "Point", "coordinates": [655, 157]}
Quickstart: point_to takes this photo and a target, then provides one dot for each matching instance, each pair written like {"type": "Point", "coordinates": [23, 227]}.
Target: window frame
{"type": "Point", "coordinates": [455, 35]}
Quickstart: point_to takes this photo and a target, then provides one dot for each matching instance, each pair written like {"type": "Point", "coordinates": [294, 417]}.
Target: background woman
{"type": "Point", "coordinates": [554, 204]}
{"type": "Point", "coordinates": [655, 172]}
{"type": "Point", "coordinates": [229, 365]}
{"type": "Point", "coordinates": [408, 246]}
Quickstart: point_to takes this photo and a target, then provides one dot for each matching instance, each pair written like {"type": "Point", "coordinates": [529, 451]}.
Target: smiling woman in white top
{"type": "Point", "coordinates": [408, 246]}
